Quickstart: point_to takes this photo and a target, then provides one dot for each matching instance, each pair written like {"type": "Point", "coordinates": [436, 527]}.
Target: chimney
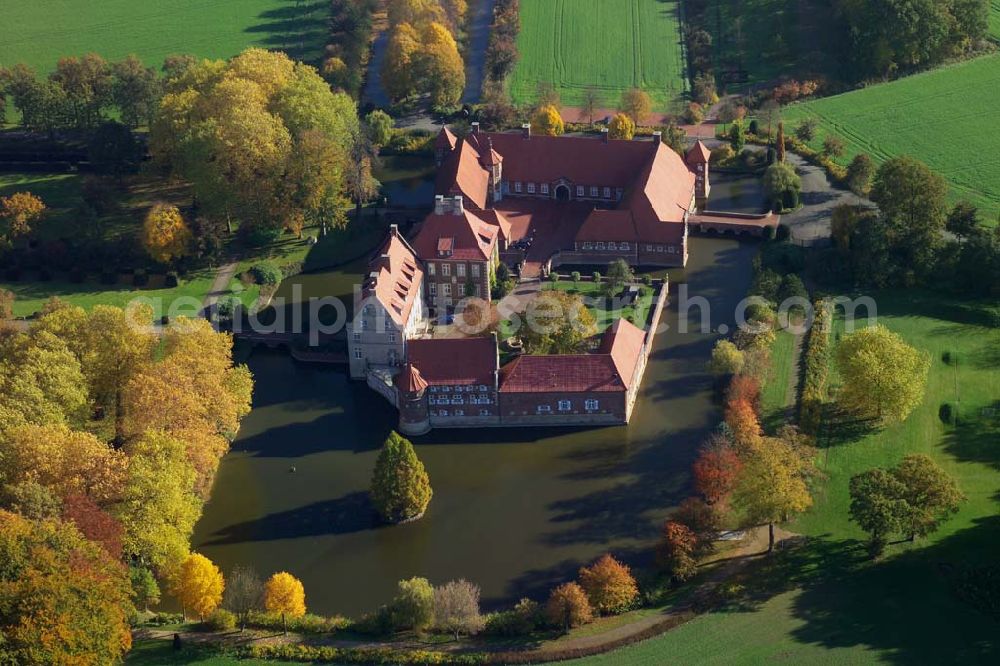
{"type": "Point", "coordinates": [475, 127]}
{"type": "Point", "coordinates": [526, 130]}
{"type": "Point", "coordinates": [604, 134]}
{"type": "Point", "coordinates": [657, 138]}
{"type": "Point", "coordinates": [439, 206]}
{"type": "Point", "coordinates": [393, 229]}
{"type": "Point", "coordinates": [458, 205]}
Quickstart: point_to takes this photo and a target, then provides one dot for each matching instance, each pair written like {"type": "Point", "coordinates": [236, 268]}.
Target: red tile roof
{"type": "Point", "coordinates": [462, 174]}
{"type": "Point", "coordinates": [454, 361]}
{"type": "Point", "coordinates": [495, 217]}
{"type": "Point", "coordinates": [445, 140]}
{"type": "Point", "coordinates": [698, 154]}
{"type": "Point", "coordinates": [410, 380]}
{"type": "Point", "coordinates": [623, 342]}
{"type": "Point", "coordinates": [394, 278]}
{"type": "Point", "coordinates": [609, 370]}
{"type": "Point", "coordinates": [463, 237]}
{"type": "Point", "coordinates": [608, 225]}
{"type": "Point", "coordinates": [569, 373]}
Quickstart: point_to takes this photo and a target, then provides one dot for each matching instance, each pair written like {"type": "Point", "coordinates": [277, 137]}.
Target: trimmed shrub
{"type": "Point", "coordinates": [220, 620]}
{"type": "Point", "coordinates": [553, 277]}
{"type": "Point", "coordinates": [266, 273]}
{"type": "Point", "coordinates": [597, 276]}
{"type": "Point", "coordinates": [575, 276]}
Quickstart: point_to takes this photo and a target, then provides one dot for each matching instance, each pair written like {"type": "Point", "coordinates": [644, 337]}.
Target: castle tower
{"type": "Point", "coordinates": [444, 144]}
{"type": "Point", "coordinates": [697, 159]}
{"type": "Point", "coordinates": [411, 388]}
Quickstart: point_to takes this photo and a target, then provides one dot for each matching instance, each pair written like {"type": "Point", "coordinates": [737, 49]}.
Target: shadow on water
{"type": "Point", "coordinates": [513, 510]}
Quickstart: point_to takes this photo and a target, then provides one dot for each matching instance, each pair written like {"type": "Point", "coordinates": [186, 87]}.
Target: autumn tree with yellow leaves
{"type": "Point", "coordinates": [621, 127]}
{"type": "Point", "coordinates": [165, 234]}
{"type": "Point", "coordinates": [423, 56]}
{"type": "Point", "coordinates": [262, 139]}
{"type": "Point", "coordinates": [18, 212]}
{"type": "Point", "coordinates": [547, 121]}
{"type": "Point", "coordinates": [198, 585]}
{"type": "Point", "coordinates": [64, 599]}
{"type": "Point", "coordinates": [285, 595]}
{"type": "Point", "coordinates": [773, 484]}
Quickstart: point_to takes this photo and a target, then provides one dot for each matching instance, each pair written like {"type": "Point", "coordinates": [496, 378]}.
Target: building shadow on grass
{"type": "Point", "coordinates": [345, 515]}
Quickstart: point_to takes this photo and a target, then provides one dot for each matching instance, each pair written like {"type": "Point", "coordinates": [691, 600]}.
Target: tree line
{"type": "Point", "coordinates": [110, 437]}
{"type": "Point", "coordinates": [875, 39]}
{"type": "Point", "coordinates": [422, 57]}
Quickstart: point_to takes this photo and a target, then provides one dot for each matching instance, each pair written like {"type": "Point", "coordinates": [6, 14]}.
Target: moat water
{"type": "Point", "coordinates": [513, 510]}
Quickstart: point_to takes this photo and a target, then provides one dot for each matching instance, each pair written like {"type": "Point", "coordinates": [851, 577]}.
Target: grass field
{"type": "Point", "coordinates": [825, 602]}
{"type": "Point", "coordinates": [612, 45]}
{"type": "Point", "coordinates": [995, 18]}
{"type": "Point", "coordinates": [946, 118]}
{"type": "Point", "coordinates": [775, 396]}
{"type": "Point", "coordinates": [39, 33]}
{"type": "Point", "coordinates": [161, 653]}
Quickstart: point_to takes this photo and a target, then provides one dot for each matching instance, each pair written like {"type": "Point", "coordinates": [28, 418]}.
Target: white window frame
{"type": "Point", "coordinates": [445, 270]}
{"type": "Point", "coordinates": [474, 270]}
{"type": "Point", "coordinates": [531, 188]}
{"type": "Point", "coordinates": [392, 336]}
{"type": "Point", "coordinates": [459, 412]}
{"type": "Point", "coordinates": [593, 191]}
{"type": "Point", "coordinates": [579, 191]}
{"type": "Point", "coordinates": [545, 188]}
{"type": "Point", "coordinates": [600, 245]}
{"type": "Point", "coordinates": [659, 248]}
{"type": "Point", "coordinates": [607, 192]}
{"type": "Point", "coordinates": [446, 290]}
{"type": "Point", "coordinates": [357, 336]}
{"type": "Point", "coordinates": [517, 186]}
{"type": "Point", "coordinates": [433, 287]}
{"type": "Point", "coordinates": [588, 246]}
{"type": "Point", "coordinates": [358, 355]}
{"type": "Point", "coordinates": [442, 412]}
{"type": "Point", "coordinates": [623, 246]}
{"type": "Point", "coordinates": [430, 268]}
{"type": "Point", "coordinates": [484, 412]}
{"type": "Point", "coordinates": [618, 193]}
{"type": "Point", "coordinates": [543, 409]}
{"type": "Point", "coordinates": [460, 270]}
{"type": "Point", "coordinates": [565, 405]}
{"type": "Point", "coordinates": [591, 405]}
{"type": "Point", "coordinates": [612, 246]}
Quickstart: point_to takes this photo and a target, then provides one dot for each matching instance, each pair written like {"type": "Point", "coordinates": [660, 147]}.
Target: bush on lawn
{"type": "Point", "coordinates": [266, 273]}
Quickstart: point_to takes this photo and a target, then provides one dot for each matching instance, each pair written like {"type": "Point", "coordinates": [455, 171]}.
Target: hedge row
{"type": "Point", "coordinates": [817, 363]}
{"type": "Point", "coordinates": [837, 173]}
{"type": "Point", "coordinates": [365, 655]}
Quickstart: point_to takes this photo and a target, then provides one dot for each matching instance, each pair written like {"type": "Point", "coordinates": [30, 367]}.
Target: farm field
{"type": "Point", "coordinates": [612, 45]}
{"type": "Point", "coordinates": [39, 33]}
{"type": "Point", "coordinates": [825, 602]}
{"type": "Point", "coordinates": [930, 116]}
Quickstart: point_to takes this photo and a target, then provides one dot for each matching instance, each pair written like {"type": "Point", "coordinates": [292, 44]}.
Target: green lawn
{"type": "Point", "coordinates": [612, 45]}
{"type": "Point", "coordinates": [825, 602]}
{"type": "Point", "coordinates": [945, 118]}
{"type": "Point", "coordinates": [603, 310]}
{"type": "Point", "coordinates": [775, 396]}
{"type": "Point", "coordinates": [39, 33]}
